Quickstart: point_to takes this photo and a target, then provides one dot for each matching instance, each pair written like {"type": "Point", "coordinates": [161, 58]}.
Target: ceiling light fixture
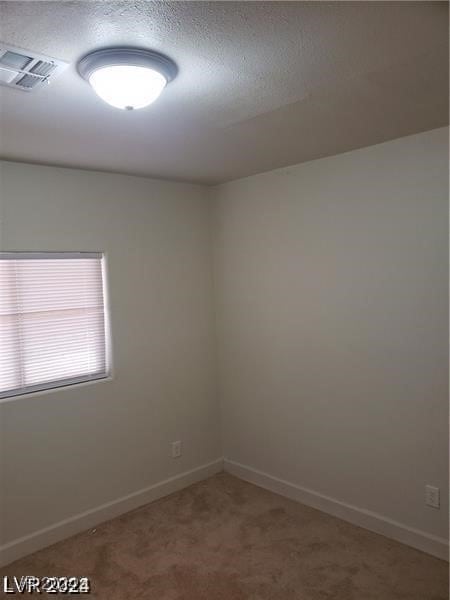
{"type": "Point", "coordinates": [127, 78]}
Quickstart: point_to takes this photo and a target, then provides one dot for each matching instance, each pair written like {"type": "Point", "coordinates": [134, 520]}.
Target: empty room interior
{"type": "Point", "coordinates": [224, 300]}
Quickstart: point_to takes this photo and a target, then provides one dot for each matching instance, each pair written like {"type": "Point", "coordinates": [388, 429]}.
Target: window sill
{"type": "Point", "coordinates": [69, 386]}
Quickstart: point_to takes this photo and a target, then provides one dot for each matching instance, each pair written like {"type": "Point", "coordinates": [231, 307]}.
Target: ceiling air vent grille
{"type": "Point", "coordinates": [26, 70]}
{"type": "Point", "coordinates": [28, 81]}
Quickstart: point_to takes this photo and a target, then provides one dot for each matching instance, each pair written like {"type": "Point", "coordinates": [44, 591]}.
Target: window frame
{"type": "Point", "coordinates": [81, 380]}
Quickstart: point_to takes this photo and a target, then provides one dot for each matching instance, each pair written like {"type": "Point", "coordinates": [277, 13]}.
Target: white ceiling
{"type": "Point", "coordinates": [261, 84]}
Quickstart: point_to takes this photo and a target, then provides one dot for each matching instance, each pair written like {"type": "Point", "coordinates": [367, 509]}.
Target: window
{"type": "Point", "coordinates": [53, 327]}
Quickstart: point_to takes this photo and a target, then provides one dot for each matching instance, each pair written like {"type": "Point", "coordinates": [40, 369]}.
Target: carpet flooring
{"type": "Point", "coordinates": [224, 539]}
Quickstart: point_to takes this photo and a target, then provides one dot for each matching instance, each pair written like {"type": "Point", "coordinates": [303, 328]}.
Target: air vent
{"type": "Point", "coordinates": [28, 81]}
{"type": "Point", "coordinates": [26, 70]}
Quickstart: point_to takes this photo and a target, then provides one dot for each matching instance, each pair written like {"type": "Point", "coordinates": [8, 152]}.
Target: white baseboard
{"type": "Point", "coordinates": [68, 527]}
{"type": "Point", "coordinates": [420, 540]}
{"type": "Point", "coordinates": [367, 519]}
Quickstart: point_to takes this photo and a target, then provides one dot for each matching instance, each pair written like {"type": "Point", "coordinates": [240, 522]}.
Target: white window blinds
{"type": "Point", "coordinates": [52, 320]}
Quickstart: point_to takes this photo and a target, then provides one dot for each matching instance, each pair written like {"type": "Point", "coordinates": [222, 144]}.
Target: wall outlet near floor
{"type": "Point", "coordinates": [176, 449]}
{"type": "Point", "coordinates": [432, 496]}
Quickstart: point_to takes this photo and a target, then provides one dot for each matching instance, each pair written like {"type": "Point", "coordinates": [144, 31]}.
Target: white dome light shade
{"type": "Point", "coordinates": [127, 78]}
{"type": "Point", "coordinates": [127, 86]}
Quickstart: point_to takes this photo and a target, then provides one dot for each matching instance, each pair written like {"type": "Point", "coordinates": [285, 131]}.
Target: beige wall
{"type": "Point", "coordinates": [71, 450]}
{"type": "Point", "coordinates": [332, 329]}
{"type": "Point", "coordinates": [332, 303]}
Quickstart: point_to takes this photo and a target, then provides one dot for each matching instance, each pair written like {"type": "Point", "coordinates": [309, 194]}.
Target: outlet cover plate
{"type": "Point", "coordinates": [176, 449]}
{"type": "Point", "coordinates": [432, 496]}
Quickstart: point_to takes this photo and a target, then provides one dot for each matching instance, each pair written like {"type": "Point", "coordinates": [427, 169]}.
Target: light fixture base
{"type": "Point", "coordinates": [139, 57]}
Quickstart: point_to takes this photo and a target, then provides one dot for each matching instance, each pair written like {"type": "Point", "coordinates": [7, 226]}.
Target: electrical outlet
{"type": "Point", "coordinates": [176, 449]}
{"type": "Point", "coordinates": [432, 496]}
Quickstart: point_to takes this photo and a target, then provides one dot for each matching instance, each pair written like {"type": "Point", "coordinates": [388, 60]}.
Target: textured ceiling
{"type": "Point", "coordinates": [261, 84]}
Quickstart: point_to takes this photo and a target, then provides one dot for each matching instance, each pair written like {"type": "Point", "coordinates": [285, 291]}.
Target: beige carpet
{"type": "Point", "coordinates": [224, 539]}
